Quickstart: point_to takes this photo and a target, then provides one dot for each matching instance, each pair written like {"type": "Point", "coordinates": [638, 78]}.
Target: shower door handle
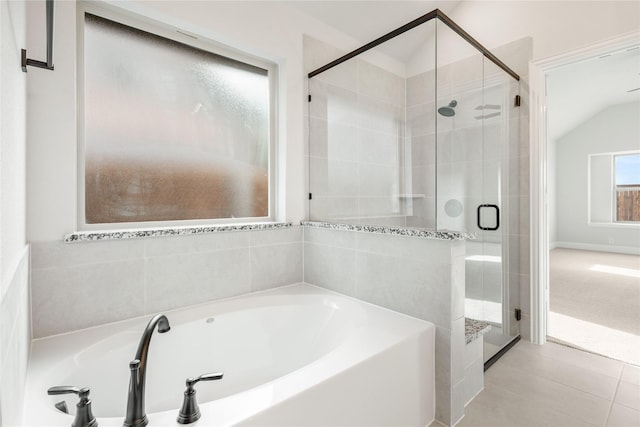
{"type": "Point", "coordinates": [497, 217]}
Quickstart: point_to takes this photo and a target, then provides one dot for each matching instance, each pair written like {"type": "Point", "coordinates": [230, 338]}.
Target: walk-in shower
{"type": "Point", "coordinates": [414, 130]}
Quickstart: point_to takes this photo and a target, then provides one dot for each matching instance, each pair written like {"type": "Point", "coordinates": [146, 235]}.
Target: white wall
{"type": "Point", "coordinates": [614, 129]}
{"type": "Point", "coordinates": [13, 138]}
{"type": "Point", "coordinates": [14, 252]}
{"type": "Point", "coordinates": [556, 26]}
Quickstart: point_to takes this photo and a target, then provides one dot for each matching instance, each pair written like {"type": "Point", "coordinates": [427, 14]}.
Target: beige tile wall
{"type": "Point", "coordinates": [78, 285]}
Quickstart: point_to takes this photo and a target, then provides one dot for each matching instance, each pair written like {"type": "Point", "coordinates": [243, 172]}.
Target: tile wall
{"type": "Point", "coordinates": [356, 123]}
{"type": "Point", "coordinates": [423, 278]}
{"type": "Point", "coordinates": [78, 285]}
{"type": "Point", "coordinates": [421, 149]}
{"type": "Point", "coordinates": [15, 342]}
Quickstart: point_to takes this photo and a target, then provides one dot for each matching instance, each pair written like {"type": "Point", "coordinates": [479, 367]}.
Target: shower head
{"type": "Point", "coordinates": [448, 111]}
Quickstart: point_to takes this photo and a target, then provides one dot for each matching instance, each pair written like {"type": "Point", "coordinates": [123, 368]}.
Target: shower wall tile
{"type": "Point", "coordinates": [74, 288]}
{"type": "Point", "coordinates": [443, 373]}
{"type": "Point", "coordinates": [423, 181]}
{"type": "Point", "coordinates": [418, 290]}
{"type": "Point", "coordinates": [444, 83]}
{"type": "Point", "coordinates": [458, 281]}
{"type": "Point", "coordinates": [458, 401]}
{"type": "Point", "coordinates": [423, 278]}
{"type": "Point", "coordinates": [377, 207]}
{"type": "Point", "coordinates": [333, 103]}
{"type": "Point", "coordinates": [342, 179]}
{"type": "Point", "coordinates": [342, 142]}
{"type": "Point", "coordinates": [380, 115]}
{"type": "Point", "coordinates": [465, 73]}
{"type": "Point", "coordinates": [515, 147]}
{"type": "Point", "coordinates": [343, 207]}
{"type": "Point", "coordinates": [523, 230]}
{"type": "Point", "coordinates": [514, 214]}
{"type": "Point", "coordinates": [318, 177]}
{"type": "Point", "coordinates": [363, 125]}
{"type": "Point", "coordinates": [378, 147]}
{"type": "Point", "coordinates": [458, 343]}
{"type": "Point", "coordinates": [319, 131]}
{"type": "Point", "coordinates": [377, 180]}
{"type": "Point", "coordinates": [381, 84]}
{"type": "Point", "coordinates": [423, 151]}
{"type": "Point", "coordinates": [318, 89]}
{"type": "Point", "coordinates": [389, 221]}
{"type": "Point", "coordinates": [421, 88]}
{"type": "Point", "coordinates": [420, 120]}
{"type": "Point", "coordinates": [474, 143]}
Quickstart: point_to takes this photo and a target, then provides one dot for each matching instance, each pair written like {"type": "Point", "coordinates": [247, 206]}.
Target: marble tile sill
{"type": "Point", "coordinates": [92, 236]}
{"type": "Point", "coordinates": [397, 231]}
{"type": "Point", "coordinates": [473, 329]}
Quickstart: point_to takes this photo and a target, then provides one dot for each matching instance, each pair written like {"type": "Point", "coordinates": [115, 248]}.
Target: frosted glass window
{"type": "Point", "coordinates": [171, 132]}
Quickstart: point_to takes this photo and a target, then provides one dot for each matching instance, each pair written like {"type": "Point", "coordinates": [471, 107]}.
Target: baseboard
{"type": "Point", "coordinates": [598, 248]}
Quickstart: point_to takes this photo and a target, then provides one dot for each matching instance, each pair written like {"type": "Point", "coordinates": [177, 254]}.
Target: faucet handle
{"type": "Point", "coordinates": [204, 377]}
{"type": "Point", "coordinates": [190, 412]}
{"type": "Point", "coordinates": [84, 415]}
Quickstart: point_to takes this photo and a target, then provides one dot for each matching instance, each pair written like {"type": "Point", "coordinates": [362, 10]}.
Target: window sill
{"type": "Point", "coordinates": [614, 224]}
{"type": "Point", "coordinates": [92, 236]}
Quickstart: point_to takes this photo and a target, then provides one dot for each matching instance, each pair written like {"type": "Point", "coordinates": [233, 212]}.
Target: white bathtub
{"type": "Point", "coordinates": [297, 355]}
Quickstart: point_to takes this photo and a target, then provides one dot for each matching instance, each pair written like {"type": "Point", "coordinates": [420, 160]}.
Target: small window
{"type": "Point", "coordinates": [172, 131]}
{"type": "Point", "coordinates": [627, 188]}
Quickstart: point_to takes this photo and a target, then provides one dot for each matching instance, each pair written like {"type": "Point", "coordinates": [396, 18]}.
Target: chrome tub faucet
{"type": "Point", "coordinates": [136, 416]}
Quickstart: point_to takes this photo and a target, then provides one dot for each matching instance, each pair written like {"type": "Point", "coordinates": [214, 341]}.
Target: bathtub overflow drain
{"type": "Point", "coordinates": [210, 320]}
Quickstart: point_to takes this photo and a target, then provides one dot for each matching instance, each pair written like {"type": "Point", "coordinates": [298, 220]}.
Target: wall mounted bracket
{"type": "Point", "coordinates": [48, 64]}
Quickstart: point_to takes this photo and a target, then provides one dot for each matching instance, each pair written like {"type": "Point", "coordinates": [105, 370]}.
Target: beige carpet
{"type": "Point", "coordinates": [595, 302]}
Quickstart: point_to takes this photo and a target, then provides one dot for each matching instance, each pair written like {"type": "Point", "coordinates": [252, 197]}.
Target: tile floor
{"type": "Point", "coordinates": [556, 386]}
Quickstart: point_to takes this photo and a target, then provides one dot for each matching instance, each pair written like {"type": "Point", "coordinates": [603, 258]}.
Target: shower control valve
{"type": "Point", "coordinates": [190, 412]}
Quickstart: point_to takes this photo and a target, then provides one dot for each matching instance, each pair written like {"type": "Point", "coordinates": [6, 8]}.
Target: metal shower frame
{"type": "Point", "coordinates": [436, 13]}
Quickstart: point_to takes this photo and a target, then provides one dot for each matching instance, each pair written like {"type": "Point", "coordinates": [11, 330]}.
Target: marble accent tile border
{"type": "Point", "coordinates": [474, 328]}
{"type": "Point", "coordinates": [397, 231]}
{"type": "Point", "coordinates": [92, 236]}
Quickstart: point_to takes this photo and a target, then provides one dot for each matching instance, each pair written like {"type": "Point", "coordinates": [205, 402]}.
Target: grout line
{"type": "Point", "coordinates": [606, 422]}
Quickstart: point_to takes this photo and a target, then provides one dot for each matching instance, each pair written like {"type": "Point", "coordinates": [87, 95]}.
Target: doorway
{"type": "Point", "coordinates": [586, 240]}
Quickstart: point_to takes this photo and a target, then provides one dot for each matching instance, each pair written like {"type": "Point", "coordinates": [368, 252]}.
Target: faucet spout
{"type": "Point", "coordinates": [136, 416]}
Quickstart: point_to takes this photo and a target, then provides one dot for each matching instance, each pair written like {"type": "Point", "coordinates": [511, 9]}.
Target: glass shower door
{"type": "Point", "coordinates": [474, 99]}
{"type": "Point", "coordinates": [498, 294]}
